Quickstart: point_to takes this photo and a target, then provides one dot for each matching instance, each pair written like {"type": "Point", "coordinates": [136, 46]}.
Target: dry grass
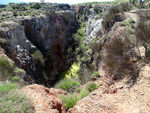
{"type": "Point", "coordinates": [109, 16]}
{"type": "Point", "coordinates": [117, 58]}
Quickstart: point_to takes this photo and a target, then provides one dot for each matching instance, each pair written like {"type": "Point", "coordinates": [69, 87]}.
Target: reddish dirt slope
{"type": "Point", "coordinates": [119, 98]}
{"type": "Point", "coordinates": [45, 100]}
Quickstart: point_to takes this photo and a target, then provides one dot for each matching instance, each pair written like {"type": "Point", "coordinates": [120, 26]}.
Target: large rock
{"type": "Point", "coordinates": [93, 29]}
{"type": "Point", "coordinates": [18, 47]}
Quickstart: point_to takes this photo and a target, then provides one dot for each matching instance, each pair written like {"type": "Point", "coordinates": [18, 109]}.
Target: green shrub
{"type": "Point", "coordinates": [3, 41]}
{"type": "Point", "coordinates": [3, 25]}
{"type": "Point", "coordinates": [70, 100]}
{"type": "Point", "coordinates": [14, 102]}
{"type": "Point", "coordinates": [16, 79]}
{"type": "Point", "coordinates": [38, 57]}
{"type": "Point", "coordinates": [131, 21]}
{"type": "Point", "coordinates": [130, 30]}
{"type": "Point", "coordinates": [91, 86]}
{"type": "Point", "coordinates": [83, 94]}
{"type": "Point", "coordinates": [95, 74]}
{"type": "Point", "coordinates": [68, 85]}
{"type": "Point", "coordinates": [123, 23]}
{"type": "Point", "coordinates": [15, 13]}
{"type": "Point", "coordinates": [6, 68]}
{"type": "Point", "coordinates": [5, 88]}
{"type": "Point", "coordinates": [36, 6]}
{"type": "Point", "coordinates": [79, 89]}
{"type": "Point", "coordinates": [112, 12]}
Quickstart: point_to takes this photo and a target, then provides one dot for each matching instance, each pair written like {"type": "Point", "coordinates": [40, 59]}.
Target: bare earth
{"type": "Point", "coordinates": [120, 98]}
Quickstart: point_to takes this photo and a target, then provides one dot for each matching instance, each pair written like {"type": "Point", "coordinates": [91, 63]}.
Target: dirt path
{"type": "Point", "coordinates": [119, 98]}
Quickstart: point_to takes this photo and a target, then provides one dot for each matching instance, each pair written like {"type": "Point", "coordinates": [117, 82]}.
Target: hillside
{"type": "Point", "coordinates": [84, 58]}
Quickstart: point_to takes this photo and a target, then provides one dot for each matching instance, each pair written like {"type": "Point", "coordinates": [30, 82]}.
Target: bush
{"type": "Point", "coordinates": [38, 58]}
{"type": "Point", "coordinates": [3, 41]}
{"type": "Point", "coordinates": [68, 85]}
{"type": "Point", "coordinates": [3, 25]}
{"type": "Point", "coordinates": [5, 88]}
{"type": "Point", "coordinates": [6, 68]}
{"type": "Point", "coordinates": [83, 94]}
{"type": "Point", "coordinates": [15, 13]}
{"type": "Point", "coordinates": [70, 100]}
{"type": "Point", "coordinates": [116, 58]}
{"type": "Point", "coordinates": [16, 79]}
{"type": "Point", "coordinates": [91, 86]}
{"type": "Point", "coordinates": [95, 74]}
{"type": "Point", "coordinates": [131, 21]}
{"type": "Point", "coordinates": [123, 23]}
{"type": "Point", "coordinates": [36, 6]}
{"type": "Point", "coordinates": [14, 102]}
{"type": "Point", "coordinates": [112, 12]}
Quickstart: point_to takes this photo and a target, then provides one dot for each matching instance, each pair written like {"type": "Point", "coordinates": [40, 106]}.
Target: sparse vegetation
{"type": "Point", "coordinates": [91, 86]}
{"type": "Point", "coordinates": [124, 23]}
{"type": "Point", "coordinates": [143, 34]}
{"type": "Point", "coordinates": [68, 85]}
{"type": "Point", "coordinates": [38, 57]}
{"type": "Point", "coordinates": [70, 100]}
{"type": "Point", "coordinates": [36, 6]}
{"type": "Point", "coordinates": [95, 74]}
{"type": "Point", "coordinates": [6, 68]}
{"type": "Point", "coordinates": [109, 16]}
{"type": "Point", "coordinates": [3, 25]}
{"type": "Point", "coordinates": [117, 61]}
{"type": "Point", "coordinates": [7, 87]}
{"type": "Point", "coordinates": [12, 101]}
{"type": "Point", "coordinates": [3, 41]}
{"type": "Point", "coordinates": [131, 21]}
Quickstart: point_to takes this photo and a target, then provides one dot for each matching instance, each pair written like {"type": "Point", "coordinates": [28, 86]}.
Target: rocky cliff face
{"type": "Point", "coordinates": [49, 36]}
{"type": "Point", "coordinates": [52, 36]}
{"type": "Point", "coordinates": [93, 31]}
{"type": "Point", "coordinates": [39, 44]}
